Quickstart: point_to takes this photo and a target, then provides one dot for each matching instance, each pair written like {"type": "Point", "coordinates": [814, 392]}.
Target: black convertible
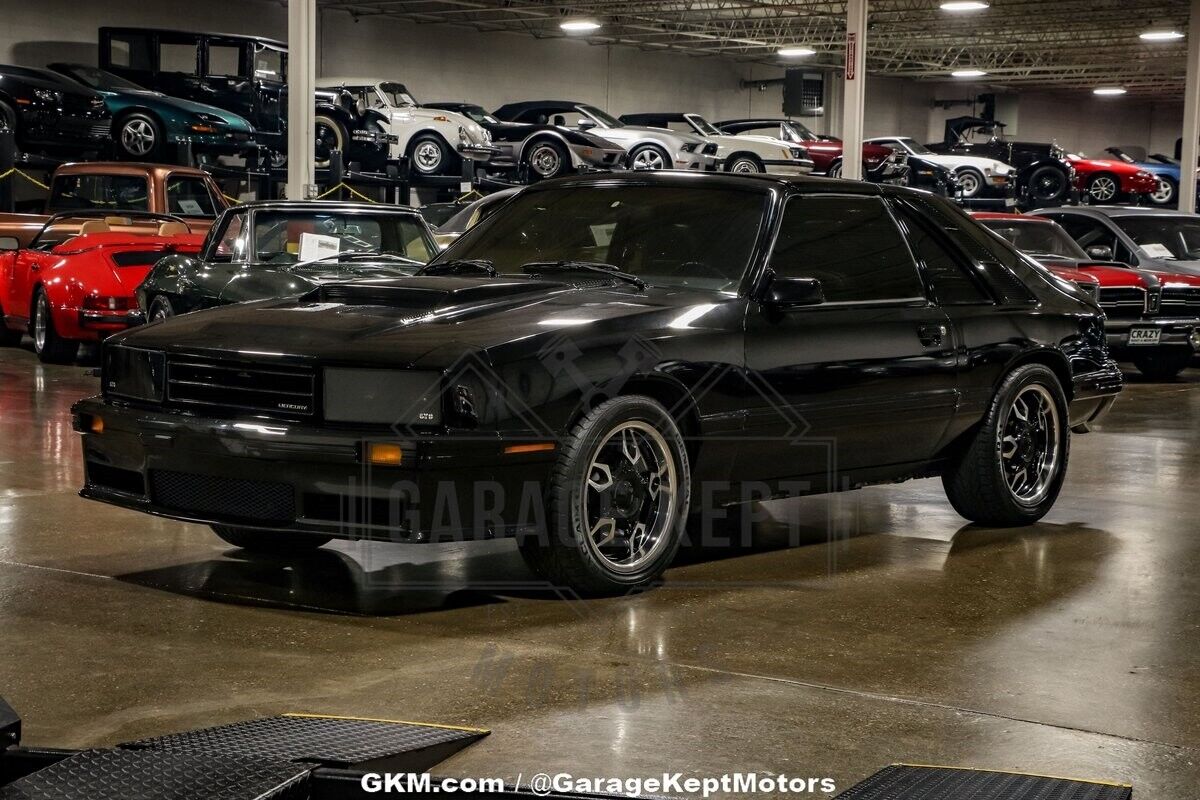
{"type": "Point", "coordinates": [282, 248]}
{"type": "Point", "coordinates": [602, 356]}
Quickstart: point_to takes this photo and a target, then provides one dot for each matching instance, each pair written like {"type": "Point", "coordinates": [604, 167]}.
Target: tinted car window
{"type": "Point", "coordinates": [945, 269]}
{"type": "Point", "coordinates": [278, 235]}
{"type": "Point", "coordinates": [1164, 237]}
{"type": "Point", "coordinates": [1036, 237]}
{"type": "Point", "coordinates": [1086, 231]}
{"type": "Point", "coordinates": [189, 197]}
{"type": "Point", "coordinates": [118, 192]}
{"type": "Point", "coordinates": [669, 236]}
{"type": "Point", "coordinates": [850, 244]}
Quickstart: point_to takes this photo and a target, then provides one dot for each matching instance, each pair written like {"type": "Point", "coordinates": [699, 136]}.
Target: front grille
{"type": "Point", "coordinates": [275, 390]}
{"type": "Point", "coordinates": [1181, 301]}
{"type": "Point", "coordinates": [101, 130]}
{"type": "Point", "coordinates": [1123, 302]}
{"type": "Point", "coordinates": [227, 498]}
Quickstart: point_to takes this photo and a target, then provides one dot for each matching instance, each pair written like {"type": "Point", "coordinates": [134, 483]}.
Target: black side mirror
{"type": "Point", "coordinates": [9, 244]}
{"type": "Point", "coordinates": [1100, 252]}
{"type": "Point", "coordinates": [791, 292]}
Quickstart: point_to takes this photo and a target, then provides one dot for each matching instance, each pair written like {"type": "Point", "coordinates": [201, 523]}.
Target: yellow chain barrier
{"type": "Point", "coordinates": [26, 176]}
{"type": "Point", "coordinates": [354, 192]}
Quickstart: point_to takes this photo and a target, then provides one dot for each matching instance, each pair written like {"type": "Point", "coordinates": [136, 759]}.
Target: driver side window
{"type": "Point", "coordinates": [851, 245]}
{"type": "Point", "coordinates": [231, 247]}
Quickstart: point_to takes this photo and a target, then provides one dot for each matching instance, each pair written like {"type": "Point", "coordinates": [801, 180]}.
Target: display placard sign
{"type": "Point", "coordinates": [314, 246]}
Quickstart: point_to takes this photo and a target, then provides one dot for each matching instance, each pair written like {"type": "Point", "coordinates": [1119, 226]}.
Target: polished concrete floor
{"type": "Point", "coordinates": [1070, 648]}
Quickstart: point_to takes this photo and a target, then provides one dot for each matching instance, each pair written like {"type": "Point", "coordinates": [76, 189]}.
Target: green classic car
{"type": "Point", "coordinates": [146, 122]}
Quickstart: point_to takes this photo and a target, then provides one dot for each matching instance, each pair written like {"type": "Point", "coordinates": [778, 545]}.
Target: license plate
{"type": "Point", "coordinates": [1143, 336]}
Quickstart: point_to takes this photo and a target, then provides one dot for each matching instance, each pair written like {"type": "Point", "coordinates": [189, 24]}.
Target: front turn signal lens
{"type": "Point", "coordinates": [384, 455]}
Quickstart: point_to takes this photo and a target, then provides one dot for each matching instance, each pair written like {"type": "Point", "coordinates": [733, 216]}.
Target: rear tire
{"type": "Point", "coordinates": [1163, 366]}
{"type": "Point", "coordinates": [648, 156]}
{"type": "Point", "coordinates": [160, 308]}
{"type": "Point", "coordinates": [1048, 185]}
{"type": "Point", "coordinates": [970, 182]}
{"type": "Point", "coordinates": [1011, 471]}
{"type": "Point", "coordinates": [617, 501]}
{"type": "Point", "coordinates": [274, 542]}
{"type": "Point", "coordinates": [547, 159]}
{"type": "Point", "coordinates": [49, 346]}
{"type": "Point", "coordinates": [743, 163]}
{"type": "Point", "coordinates": [139, 137]}
{"type": "Point", "coordinates": [835, 170]}
{"type": "Point", "coordinates": [1165, 194]}
{"type": "Point", "coordinates": [1103, 188]}
{"type": "Point", "coordinates": [430, 155]}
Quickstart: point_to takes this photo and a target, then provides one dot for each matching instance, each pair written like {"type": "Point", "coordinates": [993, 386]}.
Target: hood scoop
{"type": "Point", "coordinates": [429, 294]}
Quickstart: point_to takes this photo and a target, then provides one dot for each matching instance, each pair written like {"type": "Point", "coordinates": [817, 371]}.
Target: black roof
{"type": "Point", "coordinates": [659, 116]}
{"type": "Point", "coordinates": [513, 109]}
{"type": "Point", "coordinates": [687, 178]}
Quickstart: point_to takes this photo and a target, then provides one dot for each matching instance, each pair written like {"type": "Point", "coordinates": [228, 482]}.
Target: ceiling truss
{"type": "Point", "coordinates": [1063, 44]}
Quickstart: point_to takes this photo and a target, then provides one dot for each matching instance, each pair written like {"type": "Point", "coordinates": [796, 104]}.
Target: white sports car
{"type": "Point", "coordinates": [740, 153]}
{"type": "Point", "coordinates": [977, 177]}
{"type": "Point", "coordinates": [434, 140]}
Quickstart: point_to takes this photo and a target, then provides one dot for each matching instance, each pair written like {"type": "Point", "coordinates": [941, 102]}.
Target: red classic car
{"type": "Point", "coordinates": [75, 282]}
{"type": "Point", "coordinates": [1104, 181]}
{"type": "Point", "coordinates": [1153, 318]}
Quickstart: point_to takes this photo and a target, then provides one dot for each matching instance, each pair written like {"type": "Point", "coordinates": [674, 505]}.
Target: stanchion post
{"type": "Point", "coordinates": [8, 159]}
{"type": "Point", "coordinates": [337, 172]}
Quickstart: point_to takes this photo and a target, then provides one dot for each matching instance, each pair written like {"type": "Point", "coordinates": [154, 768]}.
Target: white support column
{"type": "Point", "coordinates": [302, 80]}
{"type": "Point", "coordinates": [854, 94]}
{"type": "Point", "coordinates": [1191, 116]}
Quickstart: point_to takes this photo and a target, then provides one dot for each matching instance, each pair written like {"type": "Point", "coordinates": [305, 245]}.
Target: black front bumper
{"type": "Point", "coordinates": [277, 475]}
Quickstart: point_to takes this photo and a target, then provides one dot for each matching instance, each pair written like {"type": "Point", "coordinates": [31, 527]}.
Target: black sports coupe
{"type": "Point", "coordinates": [283, 248]}
{"type": "Point", "coordinates": [604, 355]}
{"type": "Point", "coordinates": [51, 114]}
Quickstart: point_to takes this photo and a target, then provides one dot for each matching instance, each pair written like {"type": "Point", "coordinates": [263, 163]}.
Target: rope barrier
{"type": "Point", "coordinates": [354, 192]}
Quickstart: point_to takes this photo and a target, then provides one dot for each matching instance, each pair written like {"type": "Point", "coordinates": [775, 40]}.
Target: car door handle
{"type": "Point", "coordinates": [932, 335]}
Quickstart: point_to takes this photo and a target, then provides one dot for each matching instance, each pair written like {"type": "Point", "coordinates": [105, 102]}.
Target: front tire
{"type": "Point", "coordinates": [49, 346]}
{"type": "Point", "coordinates": [273, 542]}
{"type": "Point", "coordinates": [430, 155]}
{"type": "Point", "coordinates": [743, 163]}
{"type": "Point", "coordinates": [835, 170]}
{"type": "Point", "coordinates": [1103, 188]}
{"type": "Point", "coordinates": [139, 137]}
{"type": "Point", "coordinates": [647, 156]}
{"type": "Point", "coordinates": [617, 501]}
{"type": "Point", "coordinates": [1163, 366]}
{"type": "Point", "coordinates": [970, 182]}
{"type": "Point", "coordinates": [1011, 471]}
{"type": "Point", "coordinates": [331, 135]}
{"type": "Point", "coordinates": [547, 159]}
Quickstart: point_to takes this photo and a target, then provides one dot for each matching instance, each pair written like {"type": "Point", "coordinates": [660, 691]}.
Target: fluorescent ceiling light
{"type": "Point", "coordinates": [1160, 35]}
{"type": "Point", "coordinates": [1109, 90]}
{"type": "Point", "coordinates": [964, 5]}
{"type": "Point", "coordinates": [793, 52]}
{"type": "Point", "coordinates": [579, 25]}
{"type": "Point", "coordinates": [968, 73]}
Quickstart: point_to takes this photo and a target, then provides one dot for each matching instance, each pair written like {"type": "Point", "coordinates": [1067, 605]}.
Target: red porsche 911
{"type": "Point", "coordinates": [75, 282]}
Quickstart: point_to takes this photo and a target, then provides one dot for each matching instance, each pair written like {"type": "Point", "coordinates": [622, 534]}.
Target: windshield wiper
{"type": "Point", "coordinates": [598, 267]}
{"type": "Point", "coordinates": [358, 255]}
{"type": "Point", "coordinates": [462, 266]}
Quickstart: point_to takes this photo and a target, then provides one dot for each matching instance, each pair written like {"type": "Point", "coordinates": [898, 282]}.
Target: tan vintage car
{"type": "Point", "coordinates": [184, 192]}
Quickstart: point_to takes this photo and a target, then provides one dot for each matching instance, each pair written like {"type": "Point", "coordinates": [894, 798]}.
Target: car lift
{"type": "Point", "coordinates": [314, 757]}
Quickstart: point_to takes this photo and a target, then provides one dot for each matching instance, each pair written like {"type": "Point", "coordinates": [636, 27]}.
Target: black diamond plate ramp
{"type": "Point", "coordinates": [326, 741]}
{"type": "Point", "coordinates": [912, 782]}
{"type": "Point", "coordinates": [161, 775]}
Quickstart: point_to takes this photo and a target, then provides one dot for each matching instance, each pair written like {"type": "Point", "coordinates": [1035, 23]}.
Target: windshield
{"type": "Point", "coordinates": [288, 237]}
{"type": "Point", "coordinates": [603, 119]}
{"type": "Point", "coordinates": [100, 79]}
{"type": "Point", "coordinates": [1176, 238]}
{"type": "Point", "coordinates": [703, 126]}
{"type": "Point", "coordinates": [397, 95]}
{"type": "Point", "coordinates": [1036, 237]}
{"type": "Point", "coordinates": [667, 236]}
{"type": "Point", "coordinates": [478, 114]}
{"type": "Point", "coordinates": [915, 147]}
{"type": "Point", "coordinates": [796, 132]}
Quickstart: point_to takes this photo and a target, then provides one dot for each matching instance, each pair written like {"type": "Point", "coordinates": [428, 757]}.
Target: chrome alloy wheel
{"type": "Point", "coordinates": [1102, 188]}
{"type": "Point", "coordinates": [1029, 444]}
{"type": "Point", "coordinates": [649, 158]}
{"type": "Point", "coordinates": [968, 183]}
{"type": "Point", "coordinates": [428, 156]}
{"type": "Point", "coordinates": [138, 137]}
{"type": "Point", "coordinates": [628, 498]}
{"type": "Point", "coordinates": [41, 321]}
{"type": "Point", "coordinates": [1164, 193]}
{"type": "Point", "coordinates": [545, 161]}
{"type": "Point", "coordinates": [744, 165]}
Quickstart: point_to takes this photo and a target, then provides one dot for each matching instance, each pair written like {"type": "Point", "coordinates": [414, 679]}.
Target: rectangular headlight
{"type": "Point", "coordinates": [383, 396]}
{"type": "Point", "coordinates": [133, 373]}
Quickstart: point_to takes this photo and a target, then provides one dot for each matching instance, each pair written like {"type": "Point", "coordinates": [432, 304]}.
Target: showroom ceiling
{"type": "Point", "coordinates": [1056, 43]}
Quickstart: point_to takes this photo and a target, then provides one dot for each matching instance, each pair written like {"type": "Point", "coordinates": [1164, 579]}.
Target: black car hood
{"type": "Point", "coordinates": [266, 283]}
{"type": "Point", "coordinates": [429, 322]}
